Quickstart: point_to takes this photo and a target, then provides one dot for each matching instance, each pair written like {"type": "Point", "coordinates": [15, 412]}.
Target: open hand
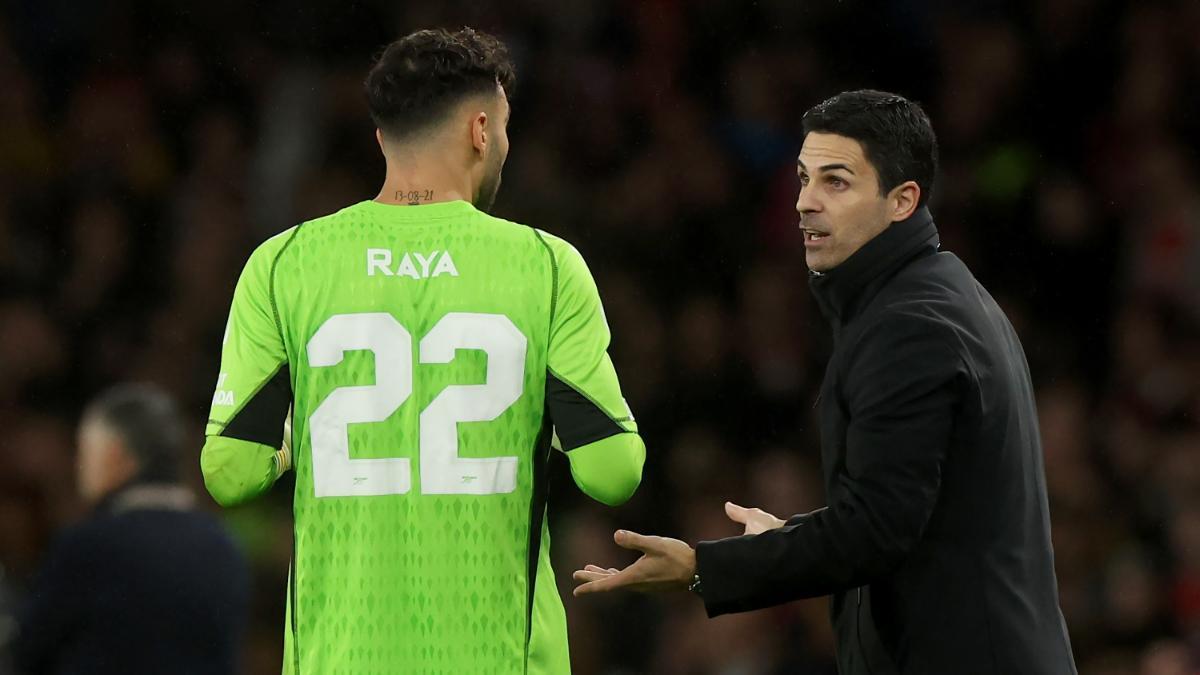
{"type": "Point", "coordinates": [666, 565]}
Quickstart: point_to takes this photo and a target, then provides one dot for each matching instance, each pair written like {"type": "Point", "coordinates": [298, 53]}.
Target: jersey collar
{"type": "Point", "coordinates": [433, 210]}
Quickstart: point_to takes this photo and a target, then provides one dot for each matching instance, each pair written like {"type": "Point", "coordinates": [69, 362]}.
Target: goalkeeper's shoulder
{"type": "Point", "coordinates": [269, 250]}
{"type": "Point", "coordinates": [571, 269]}
{"type": "Point", "coordinates": [557, 246]}
{"type": "Point", "coordinates": [262, 261]}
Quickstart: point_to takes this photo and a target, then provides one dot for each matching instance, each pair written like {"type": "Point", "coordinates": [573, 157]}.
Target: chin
{"type": "Point", "coordinates": [826, 262]}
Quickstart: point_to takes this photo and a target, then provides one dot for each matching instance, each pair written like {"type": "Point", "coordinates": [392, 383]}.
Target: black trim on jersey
{"type": "Point", "coordinates": [260, 419]}
{"type": "Point", "coordinates": [271, 281]}
{"type": "Point", "coordinates": [553, 277]}
{"type": "Point", "coordinates": [578, 419]}
{"type": "Point", "coordinates": [537, 513]}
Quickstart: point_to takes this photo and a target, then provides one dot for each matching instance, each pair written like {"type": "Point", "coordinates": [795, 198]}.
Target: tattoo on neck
{"type": "Point", "coordinates": [414, 197]}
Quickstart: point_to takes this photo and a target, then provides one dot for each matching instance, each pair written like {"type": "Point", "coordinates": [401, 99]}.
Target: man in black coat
{"type": "Point", "coordinates": [146, 584]}
{"type": "Point", "coordinates": [935, 543]}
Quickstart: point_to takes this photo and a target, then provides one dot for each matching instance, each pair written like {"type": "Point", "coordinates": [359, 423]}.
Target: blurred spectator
{"type": "Point", "coordinates": [146, 584]}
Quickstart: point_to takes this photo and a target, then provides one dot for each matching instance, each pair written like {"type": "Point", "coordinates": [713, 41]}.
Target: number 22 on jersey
{"type": "Point", "coordinates": [335, 474]}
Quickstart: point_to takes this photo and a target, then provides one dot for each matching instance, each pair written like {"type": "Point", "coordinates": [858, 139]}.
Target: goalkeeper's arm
{"type": "Point", "coordinates": [593, 424]}
{"type": "Point", "coordinates": [242, 454]}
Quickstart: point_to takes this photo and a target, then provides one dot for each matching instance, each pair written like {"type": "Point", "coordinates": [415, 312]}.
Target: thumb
{"type": "Point", "coordinates": [738, 514]}
{"type": "Point", "coordinates": [631, 540]}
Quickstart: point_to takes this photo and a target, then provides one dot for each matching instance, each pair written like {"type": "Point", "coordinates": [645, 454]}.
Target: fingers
{"type": "Point", "coordinates": [590, 574]}
{"type": "Point", "coordinates": [599, 582]}
{"type": "Point", "coordinates": [593, 572]}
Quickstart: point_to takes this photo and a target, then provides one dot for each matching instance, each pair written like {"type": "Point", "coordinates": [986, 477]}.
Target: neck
{"type": "Point", "coordinates": [423, 178]}
{"type": "Point", "coordinates": [841, 291]}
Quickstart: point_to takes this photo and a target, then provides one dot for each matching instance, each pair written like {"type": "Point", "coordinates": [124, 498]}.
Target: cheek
{"type": "Point", "coordinates": [861, 217]}
{"type": "Point", "coordinates": [85, 471]}
{"type": "Point", "coordinates": [95, 460]}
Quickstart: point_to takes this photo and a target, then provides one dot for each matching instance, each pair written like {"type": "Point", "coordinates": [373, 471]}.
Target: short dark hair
{"type": "Point", "coordinates": [147, 420]}
{"type": "Point", "coordinates": [895, 133]}
{"type": "Point", "coordinates": [418, 78]}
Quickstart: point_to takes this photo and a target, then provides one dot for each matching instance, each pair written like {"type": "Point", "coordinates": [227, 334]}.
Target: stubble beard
{"type": "Point", "coordinates": [488, 190]}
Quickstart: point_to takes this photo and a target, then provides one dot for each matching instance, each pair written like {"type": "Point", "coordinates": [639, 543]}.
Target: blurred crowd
{"type": "Point", "coordinates": [147, 147]}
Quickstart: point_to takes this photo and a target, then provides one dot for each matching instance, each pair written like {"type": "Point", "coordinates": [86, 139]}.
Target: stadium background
{"type": "Point", "coordinates": [146, 147]}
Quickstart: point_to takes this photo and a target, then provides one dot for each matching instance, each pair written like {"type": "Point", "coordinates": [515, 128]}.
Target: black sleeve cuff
{"type": "Point", "coordinates": [722, 576]}
{"type": "Point", "coordinates": [800, 518]}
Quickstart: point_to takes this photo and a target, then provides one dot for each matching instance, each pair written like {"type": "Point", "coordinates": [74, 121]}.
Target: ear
{"type": "Point", "coordinates": [379, 140]}
{"type": "Point", "coordinates": [903, 200]}
{"type": "Point", "coordinates": [116, 453]}
{"type": "Point", "coordinates": [116, 462]}
{"type": "Point", "coordinates": [479, 132]}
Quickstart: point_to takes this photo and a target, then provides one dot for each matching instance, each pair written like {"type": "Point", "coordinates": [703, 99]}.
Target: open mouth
{"type": "Point", "coordinates": [815, 235]}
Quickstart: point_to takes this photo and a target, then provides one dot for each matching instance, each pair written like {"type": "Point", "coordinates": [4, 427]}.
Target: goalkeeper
{"type": "Point", "coordinates": [429, 352]}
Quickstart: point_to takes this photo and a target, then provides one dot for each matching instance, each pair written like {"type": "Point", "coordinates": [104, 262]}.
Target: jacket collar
{"type": "Point", "coordinates": [138, 494]}
{"type": "Point", "coordinates": [842, 291]}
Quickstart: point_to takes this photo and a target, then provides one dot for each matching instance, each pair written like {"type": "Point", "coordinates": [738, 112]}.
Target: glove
{"type": "Point", "coordinates": [283, 456]}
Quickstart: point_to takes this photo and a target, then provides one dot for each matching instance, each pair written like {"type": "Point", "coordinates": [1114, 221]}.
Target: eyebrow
{"type": "Point", "coordinates": [828, 167]}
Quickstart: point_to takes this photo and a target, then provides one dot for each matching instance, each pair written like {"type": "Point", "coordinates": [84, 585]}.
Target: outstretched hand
{"type": "Point", "coordinates": [666, 565]}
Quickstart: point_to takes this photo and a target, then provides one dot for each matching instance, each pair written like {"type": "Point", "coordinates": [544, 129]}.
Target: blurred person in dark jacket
{"type": "Point", "coordinates": [146, 583]}
{"type": "Point", "coordinates": [935, 543]}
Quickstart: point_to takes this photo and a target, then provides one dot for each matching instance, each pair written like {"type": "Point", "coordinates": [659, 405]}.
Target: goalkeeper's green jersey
{"type": "Point", "coordinates": [430, 353]}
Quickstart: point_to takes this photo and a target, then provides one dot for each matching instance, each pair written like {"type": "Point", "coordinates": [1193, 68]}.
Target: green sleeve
{"type": "Point", "coordinates": [245, 425]}
{"type": "Point", "coordinates": [591, 419]}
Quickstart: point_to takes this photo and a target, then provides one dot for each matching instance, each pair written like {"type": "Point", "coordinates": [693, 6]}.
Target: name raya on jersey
{"type": "Point", "coordinates": [379, 260]}
{"type": "Point", "coordinates": [423, 416]}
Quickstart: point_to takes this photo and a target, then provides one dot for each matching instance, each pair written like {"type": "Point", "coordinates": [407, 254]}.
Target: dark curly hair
{"type": "Point", "coordinates": [895, 133]}
{"type": "Point", "coordinates": [418, 78]}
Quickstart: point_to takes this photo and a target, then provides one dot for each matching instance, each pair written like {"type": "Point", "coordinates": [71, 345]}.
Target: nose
{"type": "Point", "coordinates": [806, 202]}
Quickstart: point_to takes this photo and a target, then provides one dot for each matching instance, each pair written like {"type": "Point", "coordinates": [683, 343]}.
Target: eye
{"type": "Point", "coordinates": [803, 180]}
{"type": "Point", "coordinates": [837, 182]}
